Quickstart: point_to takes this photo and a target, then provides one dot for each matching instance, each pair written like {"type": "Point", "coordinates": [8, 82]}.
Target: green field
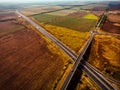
{"type": "Point", "coordinates": [79, 24]}
{"type": "Point", "coordinates": [90, 16]}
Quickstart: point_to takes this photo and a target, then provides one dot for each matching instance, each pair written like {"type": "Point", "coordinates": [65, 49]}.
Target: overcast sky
{"type": "Point", "coordinates": [43, 0]}
{"type": "Point", "coordinates": [47, 0]}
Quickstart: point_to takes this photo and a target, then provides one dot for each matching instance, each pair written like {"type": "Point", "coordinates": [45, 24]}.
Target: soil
{"type": "Point", "coordinates": [114, 18]}
{"type": "Point", "coordinates": [97, 13]}
{"type": "Point", "coordinates": [7, 16]}
{"type": "Point", "coordinates": [26, 63]}
{"type": "Point", "coordinates": [111, 27]}
{"type": "Point", "coordinates": [78, 14]}
{"type": "Point", "coordinates": [98, 8]}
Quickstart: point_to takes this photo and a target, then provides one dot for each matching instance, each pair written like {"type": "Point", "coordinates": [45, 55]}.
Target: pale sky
{"type": "Point", "coordinates": [43, 0]}
{"type": "Point", "coordinates": [48, 0]}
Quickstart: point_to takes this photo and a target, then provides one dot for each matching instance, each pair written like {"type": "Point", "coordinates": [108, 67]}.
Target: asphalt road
{"type": "Point", "coordinates": [89, 70]}
{"type": "Point", "coordinates": [50, 36]}
{"type": "Point", "coordinates": [76, 64]}
{"type": "Point", "coordinates": [102, 82]}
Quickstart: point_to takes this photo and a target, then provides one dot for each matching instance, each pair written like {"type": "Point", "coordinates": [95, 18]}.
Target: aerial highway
{"type": "Point", "coordinates": [50, 36]}
{"type": "Point", "coordinates": [90, 71]}
{"type": "Point", "coordinates": [76, 64]}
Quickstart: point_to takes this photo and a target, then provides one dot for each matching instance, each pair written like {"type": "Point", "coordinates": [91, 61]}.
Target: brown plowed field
{"type": "Point", "coordinates": [114, 18]}
{"type": "Point", "coordinates": [115, 7]}
{"type": "Point", "coordinates": [78, 14]}
{"type": "Point", "coordinates": [97, 13]}
{"type": "Point", "coordinates": [99, 8]}
{"type": "Point", "coordinates": [111, 27]}
{"type": "Point", "coordinates": [26, 62]}
{"type": "Point", "coordinates": [7, 16]}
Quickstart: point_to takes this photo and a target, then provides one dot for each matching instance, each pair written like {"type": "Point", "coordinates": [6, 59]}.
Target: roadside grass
{"type": "Point", "coordinates": [86, 83]}
{"type": "Point", "coordinates": [73, 39]}
{"type": "Point", "coordinates": [78, 24]}
{"type": "Point", "coordinates": [105, 55]}
{"type": "Point", "coordinates": [90, 16]}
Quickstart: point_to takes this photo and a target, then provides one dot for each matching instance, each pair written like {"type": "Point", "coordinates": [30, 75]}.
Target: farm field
{"type": "Point", "coordinates": [62, 12]}
{"type": "Point", "coordinates": [5, 15]}
{"type": "Point", "coordinates": [90, 16]}
{"type": "Point", "coordinates": [78, 14]}
{"type": "Point", "coordinates": [78, 24]}
{"type": "Point", "coordinates": [5, 11]}
{"type": "Point", "coordinates": [23, 64]}
{"type": "Point", "coordinates": [111, 27]}
{"type": "Point", "coordinates": [31, 10]}
{"type": "Point", "coordinates": [70, 29]}
{"type": "Point", "coordinates": [73, 39]}
{"type": "Point", "coordinates": [105, 55]}
{"type": "Point", "coordinates": [31, 61]}
{"type": "Point", "coordinates": [114, 17]}
{"type": "Point", "coordinates": [96, 9]}
{"type": "Point", "coordinates": [96, 6]}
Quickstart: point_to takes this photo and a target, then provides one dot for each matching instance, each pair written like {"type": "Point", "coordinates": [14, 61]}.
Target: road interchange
{"type": "Point", "coordinates": [89, 70]}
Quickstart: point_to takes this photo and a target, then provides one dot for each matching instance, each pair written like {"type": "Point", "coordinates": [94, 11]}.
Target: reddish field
{"type": "Point", "coordinates": [114, 18]}
{"type": "Point", "coordinates": [7, 16]}
{"type": "Point", "coordinates": [97, 13]}
{"type": "Point", "coordinates": [111, 27]}
{"type": "Point", "coordinates": [78, 14]}
{"type": "Point", "coordinates": [26, 62]}
{"type": "Point", "coordinates": [115, 6]}
{"type": "Point", "coordinates": [97, 8]}
{"type": "Point", "coordinates": [9, 26]}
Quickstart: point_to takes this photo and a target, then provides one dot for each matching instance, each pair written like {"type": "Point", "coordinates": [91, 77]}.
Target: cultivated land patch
{"type": "Point", "coordinates": [4, 16]}
{"type": "Point", "coordinates": [62, 12]}
{"type": "Point", "coordinates": [114, 17]}
{"type": "Point", "coordinates": [78, 24]}
{"type": "Point", "coordinates": [73, 39]}
{"type": "Point", "coordinates": [5, 11]}
{"type": "Point", "coordinates": [78, 14]}
{"type": "Point", "coordinates": [90, 16]}
{"type": "Point", "coordinates": [105, 55]}
{"type": "Point", "coordinates": [27, 60]}
{"type": "Point", "coordinates": [8, 27]}
{"type": "Point", "coordinates": [111, 27]}
{"type": "Point", "coordinates": [90, 7]}
{"type": "Point", "coordinates": [31, 10]}
{"type": "Point", "coordinates": [97, 13]}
